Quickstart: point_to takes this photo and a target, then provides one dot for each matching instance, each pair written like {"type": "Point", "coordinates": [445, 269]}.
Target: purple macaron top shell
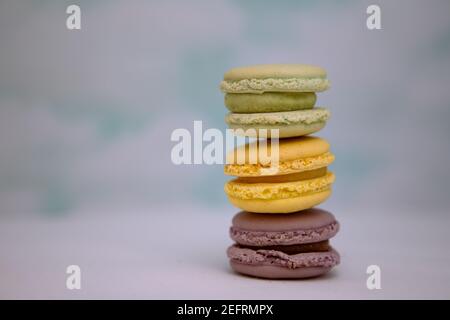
{"type": "Point", "coordinates": [308, 226]}
{"type": "Point", "coordinates": [306, 219]}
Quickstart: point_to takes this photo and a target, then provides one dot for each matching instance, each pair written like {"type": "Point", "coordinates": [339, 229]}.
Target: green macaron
{"type": "Point", "coordinates": [289, 123]}
{"type": "Point", "coordinates": [269, 101]}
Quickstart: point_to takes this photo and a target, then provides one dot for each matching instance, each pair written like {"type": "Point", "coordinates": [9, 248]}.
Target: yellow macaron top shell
{"type": "Point", "coordinates": [264, 71]}
{"type": "Point", "coordinates": [289, 149]}
{"type": "Point", "coordinates": [295, 155]}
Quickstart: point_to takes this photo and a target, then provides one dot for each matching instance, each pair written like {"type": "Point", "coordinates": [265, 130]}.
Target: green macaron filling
{"type": "Point", "coordinates": [269, 101]}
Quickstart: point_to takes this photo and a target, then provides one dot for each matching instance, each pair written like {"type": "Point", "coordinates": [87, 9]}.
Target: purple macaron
{"type": "Point", "coordinates": [283, 246]}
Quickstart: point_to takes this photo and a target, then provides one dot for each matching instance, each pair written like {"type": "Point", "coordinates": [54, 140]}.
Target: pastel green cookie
{"type": "Point", "coordinates": [275, 78]}
{"type": "Point", "coordinates": [290, 123]}
{"type": "Point", "coordinates": [269, 101]}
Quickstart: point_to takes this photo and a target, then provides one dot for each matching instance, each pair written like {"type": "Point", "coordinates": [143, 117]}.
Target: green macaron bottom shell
{"type": "Point", "coordinates": [289, 123]}
{"type": "Point", "coordinates": [269, 101]}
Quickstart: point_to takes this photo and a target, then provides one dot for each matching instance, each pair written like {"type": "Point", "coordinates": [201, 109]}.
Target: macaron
{"type": "Point", "coordinates": [300, 179]}
{"type": "Point", "coordinates": [275, 78]}
{"type": "Point", "coordinates": [292, 246]}
{"type": "Point", "coordinates": [288, 123]}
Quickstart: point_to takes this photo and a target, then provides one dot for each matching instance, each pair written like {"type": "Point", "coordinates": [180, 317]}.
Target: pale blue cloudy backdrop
{"type": "Point", "coordinates": [86, 116]}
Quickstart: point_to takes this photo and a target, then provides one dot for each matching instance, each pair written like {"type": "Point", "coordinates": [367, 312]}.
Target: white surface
{"type": "Point", "coordinates": [178, 254]}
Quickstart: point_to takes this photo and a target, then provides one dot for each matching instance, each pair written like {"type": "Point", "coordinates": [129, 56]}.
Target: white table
{"type": "Point", "coordinates": [180, 253]}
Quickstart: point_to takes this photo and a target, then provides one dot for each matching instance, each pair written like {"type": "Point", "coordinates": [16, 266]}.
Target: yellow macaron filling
{"type": "Point", "coordinates": [285, 177]}
{"type": "Point", "coordinates": [284, 167]}
{"type": "Point", "coordinates": [282, 190]}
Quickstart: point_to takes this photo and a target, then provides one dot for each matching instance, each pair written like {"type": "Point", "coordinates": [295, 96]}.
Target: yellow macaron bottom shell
{"type": "Point", "coordinates": [277, 190]}
{"type": "Point", "coordinates": [283, 167]}
{"type": "Point", "coordinates": [280, 194]}
{"type": "Point", "coordinates": [281, 206]}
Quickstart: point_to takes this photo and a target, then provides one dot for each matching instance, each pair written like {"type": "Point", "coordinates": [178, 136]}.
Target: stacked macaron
{"type": "Point", "coordinates": [275, 97]}
{"type": "Point", "coordinates": [277, 234]}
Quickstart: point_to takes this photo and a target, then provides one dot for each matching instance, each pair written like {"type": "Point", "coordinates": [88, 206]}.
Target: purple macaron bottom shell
{"type": "Point", "coordinates": [274, 272]}
{"type": "Point", "coordinates": [274, 264]}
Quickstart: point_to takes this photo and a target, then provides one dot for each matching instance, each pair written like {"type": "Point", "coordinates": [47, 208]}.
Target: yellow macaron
{"type": "Point", "coordinates": [300, 181]}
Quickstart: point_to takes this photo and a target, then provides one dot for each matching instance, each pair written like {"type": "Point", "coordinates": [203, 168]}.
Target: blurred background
{"type": "Point", "coordinates": [86, 116]}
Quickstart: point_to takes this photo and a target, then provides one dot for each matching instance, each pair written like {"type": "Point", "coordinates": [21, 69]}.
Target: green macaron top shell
{"type": "Point", "coordinates": [269, 101]}
{"type": "Point", "coordinates": [281, 71]}
{"type": "Point", "coordinates": [275, 78]}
